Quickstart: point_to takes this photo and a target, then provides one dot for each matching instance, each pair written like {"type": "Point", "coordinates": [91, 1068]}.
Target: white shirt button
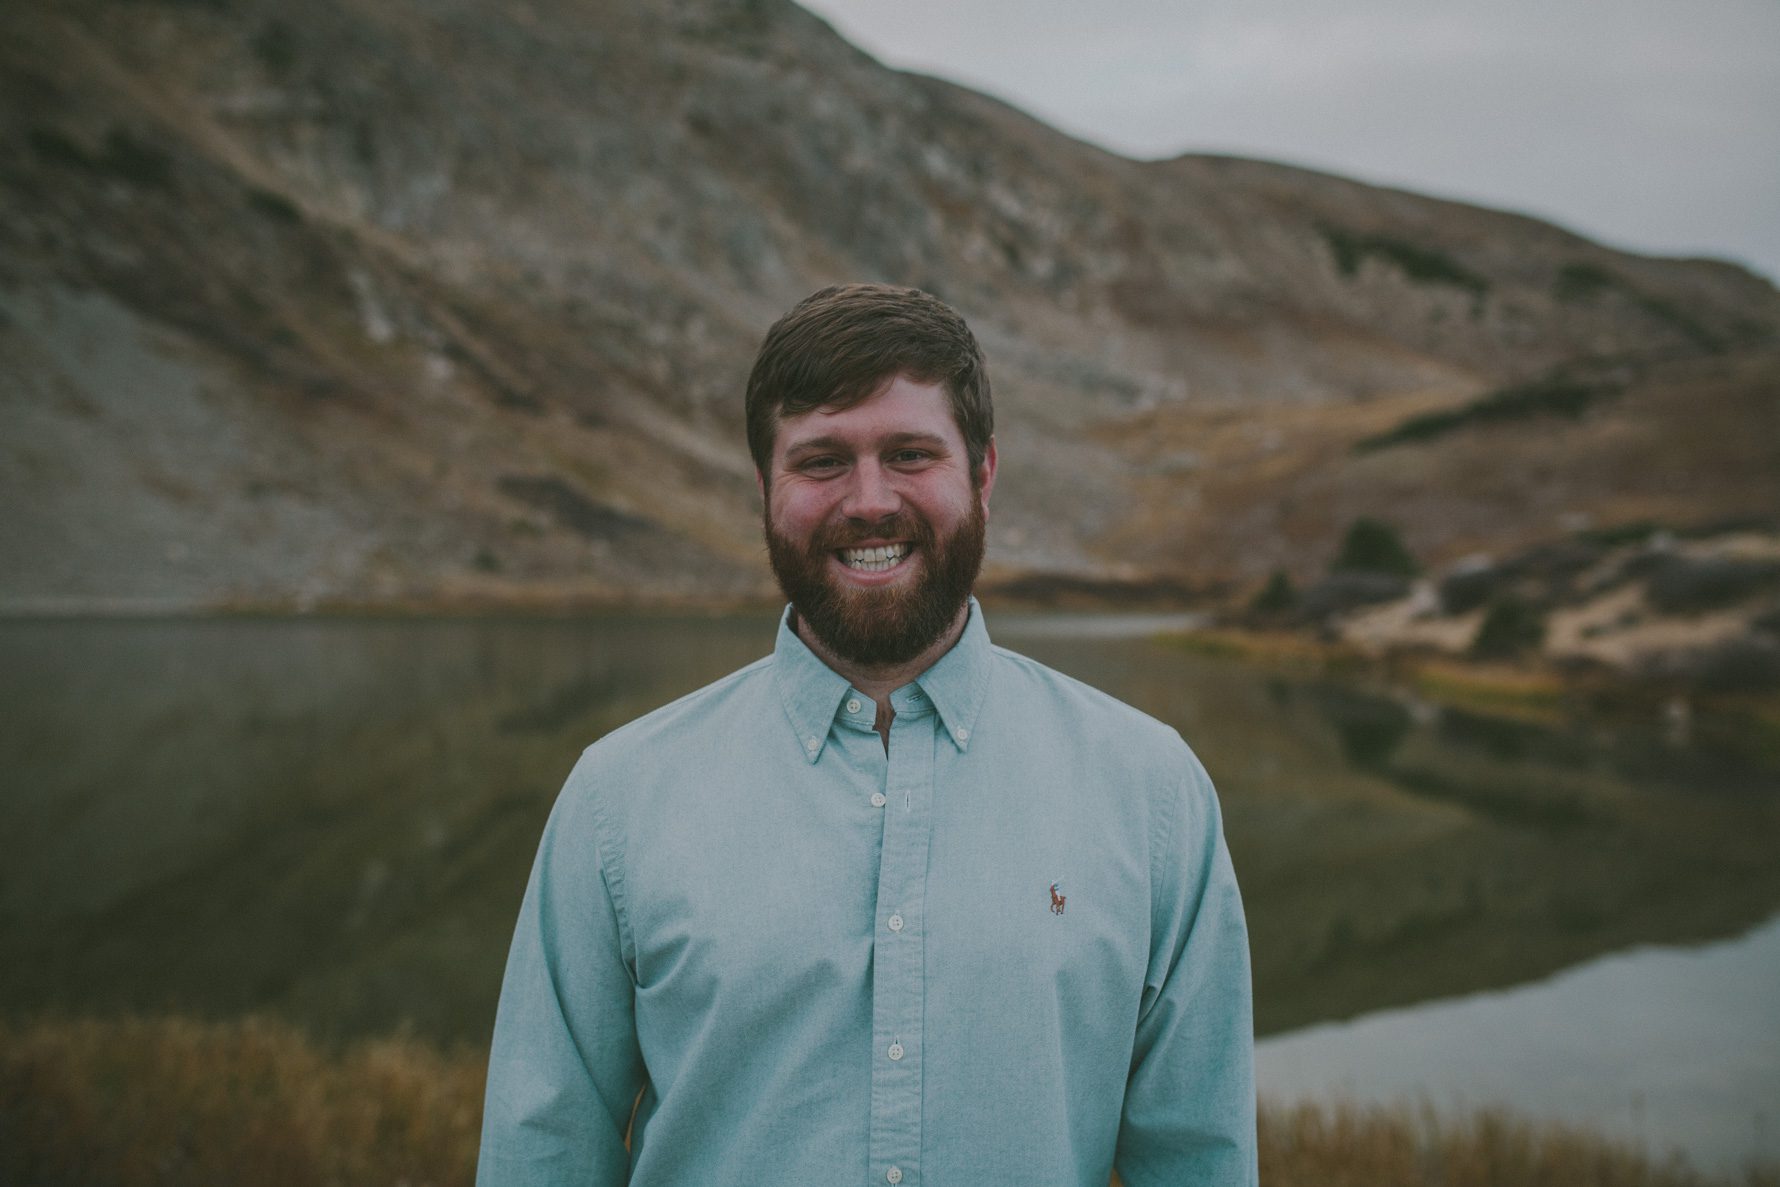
{"type": "Point", "coordinates": [853, 705]}
{"type": "Point", "coordinates": [896, 923]}
{"type": "Point", "coordinates": [963, 733]}
{"type": "Point", "coordinates": [895, 1051]}
{"type": "Point", "coordinates": [894, 1174]}
{"type": "Point", "coordinates": [878, 799]}
{"type": "Point", "coordinates": [812, 745]}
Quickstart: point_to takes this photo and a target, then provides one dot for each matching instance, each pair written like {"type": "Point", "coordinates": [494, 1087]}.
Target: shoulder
{"type": "Point", "coordinates": [693, 712]}
{"type": "Point", "coordinates": [1050, 697]}
{"type": "Point", "coordinates": [680, 732]}
{"type": "Point", "coordinates": [1127, 746]}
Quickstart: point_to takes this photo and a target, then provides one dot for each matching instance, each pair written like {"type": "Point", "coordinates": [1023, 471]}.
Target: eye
{"type": "Point", "coordinates": [825, 463]}
{"type": "Point", "coordinates": [909, 457]}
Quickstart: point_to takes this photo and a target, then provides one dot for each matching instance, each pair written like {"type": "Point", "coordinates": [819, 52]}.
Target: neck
{"type": "Point", "coordinates": [879, 681]}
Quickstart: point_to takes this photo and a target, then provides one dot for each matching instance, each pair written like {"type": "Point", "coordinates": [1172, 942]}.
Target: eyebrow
{"type": "Point", "coordinates": [842, 445]}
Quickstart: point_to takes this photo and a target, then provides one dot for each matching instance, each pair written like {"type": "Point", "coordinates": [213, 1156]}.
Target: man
{"type": "Point", "coordinates": [892, 905]}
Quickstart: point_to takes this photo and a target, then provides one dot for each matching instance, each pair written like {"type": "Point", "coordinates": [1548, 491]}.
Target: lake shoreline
{"type": "Point", "coordinates": [1530, 689]}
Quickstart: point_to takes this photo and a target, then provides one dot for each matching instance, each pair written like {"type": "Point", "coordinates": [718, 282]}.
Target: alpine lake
{"type": "Point", "coordinates": [331, 820]}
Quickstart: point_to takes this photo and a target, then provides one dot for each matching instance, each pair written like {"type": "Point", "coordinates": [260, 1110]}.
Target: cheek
{"type": "Point", "coordinates": [793, 512]}
{"type": "Point", "coordinates": [950, 507]}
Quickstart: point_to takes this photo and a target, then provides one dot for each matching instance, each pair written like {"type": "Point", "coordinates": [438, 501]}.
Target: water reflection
{"type": "Point", "coordinates": [1662, 1048]}
{"type": "Point", "coordinates": [333, 819]}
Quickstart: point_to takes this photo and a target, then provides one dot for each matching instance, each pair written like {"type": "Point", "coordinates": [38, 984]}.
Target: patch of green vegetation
{"type": "Point", "coordinates": [1543, 397]}
{"type": "Point", "coordinates": [1423, 265]}
{"type": "Point", "coordinates": [137, 162]}
{"type": "Point", "coordinates": [1619, 534]}
{"type": "Point", "coordinates": [274, 206]}
{"type": "Point", "coordinates": [1279, 596]}
{"type": "Point", "coordinates": [1679, 320]}
{"type": "Point", "coordinates": [57, 149]}
{"type": "Point", "coordinates": [124, 156]}
{"type": "Point", "coordinates": [1373, 546]}
{"type": "Point", "coordinates": [1578, 281]}
{"type": "Point", "coordinates": [276, 47]}
{"type": "Point", "coordinates": [570, 507]}
{"type": "Point", "coordinates": [1511, 628]}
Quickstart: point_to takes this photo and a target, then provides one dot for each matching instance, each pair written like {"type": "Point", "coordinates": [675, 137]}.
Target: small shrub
{"type": "Point", "coordinates": [136, 162]}
{"type": "Point", "coordinates": [276, 47]}
{"type": "Point", "coordinates": [1466, 590]}
{"type": "Point", "coordinates": [1581, 282]}
{"type": "Point", "coordinates": [569, 506]}
{"type": "Point", "coordinates": [1636, 532]}
{"type": "Point", "coordinates": [1680, 321]}
{"type": "Point", "coordinates": [1277, 597]}
{"type": "Point", "coordinates": [1584, 282]}
{"type": "Point", "coordinates": [57, 149]}
{"type": "Point", "coordinates": [1511, 628]}
{"type": "Point", "coordinates": [274, 206]}
{"type": "Point", "coordinates": [1373, 546]}
{"type": "Point", "coordinates": [1423, 265]}
{"type": "Point", "coordinates": [1342, 592]}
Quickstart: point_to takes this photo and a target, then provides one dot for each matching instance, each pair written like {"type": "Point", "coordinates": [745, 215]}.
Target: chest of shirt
{"type": "Point", "coordinates": [1017, 867]}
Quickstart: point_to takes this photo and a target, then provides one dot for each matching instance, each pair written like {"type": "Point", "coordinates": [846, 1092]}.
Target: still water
{"type": "Point", "coordinates": [333, 820]}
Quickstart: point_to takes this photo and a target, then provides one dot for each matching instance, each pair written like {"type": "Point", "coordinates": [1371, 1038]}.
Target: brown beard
{"type": "Point", "coordinates": [881, 627]}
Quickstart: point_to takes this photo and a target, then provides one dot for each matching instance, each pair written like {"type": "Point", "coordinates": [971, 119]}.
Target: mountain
{"type": "Point", "coordinates": [450, 302]}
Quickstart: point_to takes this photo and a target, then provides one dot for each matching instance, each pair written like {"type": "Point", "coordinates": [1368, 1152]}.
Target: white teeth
{"type": "Point", "coordinates": [874, 560]}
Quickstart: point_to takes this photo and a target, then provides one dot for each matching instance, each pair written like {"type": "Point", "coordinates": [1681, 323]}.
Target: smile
{"type": "Point", "coordinates": [874, 560]}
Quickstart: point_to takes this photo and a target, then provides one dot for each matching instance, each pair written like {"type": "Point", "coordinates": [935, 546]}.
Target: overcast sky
{"type": "Point", "coordinates": [1652, 125]}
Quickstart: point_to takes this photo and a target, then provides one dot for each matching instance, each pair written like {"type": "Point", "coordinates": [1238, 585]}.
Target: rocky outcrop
{"type": "Point", "coordinates": [1697, 611]}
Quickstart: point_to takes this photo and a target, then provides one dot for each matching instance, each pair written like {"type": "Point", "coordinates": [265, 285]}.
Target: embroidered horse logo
{"type": "Point", "coordinates": [1057, 900]}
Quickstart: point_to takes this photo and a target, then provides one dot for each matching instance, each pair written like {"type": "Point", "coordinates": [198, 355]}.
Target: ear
{"type": "Point", "coordinates": [760, 485]}
{"type": "Point", "coordinates": [986, 476]}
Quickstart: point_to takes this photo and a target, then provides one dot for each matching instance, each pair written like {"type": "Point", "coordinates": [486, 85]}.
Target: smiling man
{"type": "Point", "coordinates": [891, 905]}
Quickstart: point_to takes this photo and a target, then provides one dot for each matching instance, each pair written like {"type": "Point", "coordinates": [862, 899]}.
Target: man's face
{"type": "Point", "coordinates": [874, 524]}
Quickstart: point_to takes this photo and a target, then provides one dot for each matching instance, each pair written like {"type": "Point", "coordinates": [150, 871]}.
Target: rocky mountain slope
{"type": "Point", "coordinates": [423, 302]}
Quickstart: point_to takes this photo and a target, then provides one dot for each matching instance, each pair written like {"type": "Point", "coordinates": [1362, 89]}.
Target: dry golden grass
{"type": "Point", "coordinates": [172, 1101]}
{"type": "Point", "coordinates": [1530, 692]}
{"type": "Point", "coordinates": [1349, 1146]}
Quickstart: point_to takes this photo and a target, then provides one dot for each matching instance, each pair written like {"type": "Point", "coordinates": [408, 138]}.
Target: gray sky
{"type": "Point", "coordinates": [1652, 125]}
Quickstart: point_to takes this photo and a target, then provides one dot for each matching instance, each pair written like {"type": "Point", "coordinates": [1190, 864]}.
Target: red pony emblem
{"type": "Point", "coordinates": [1057, 900]}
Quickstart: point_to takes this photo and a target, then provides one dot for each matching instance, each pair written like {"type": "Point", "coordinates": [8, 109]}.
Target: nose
{"type": "Point", "coordinates": [871, 494]}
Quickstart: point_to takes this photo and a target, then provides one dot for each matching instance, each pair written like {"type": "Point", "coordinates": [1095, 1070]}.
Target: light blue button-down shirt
{"type": "Point", "coordinates": [1009, 951]}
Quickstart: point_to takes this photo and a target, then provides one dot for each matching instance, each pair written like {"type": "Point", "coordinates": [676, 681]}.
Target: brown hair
{"type": "Point", "coordinates": [840, 346]}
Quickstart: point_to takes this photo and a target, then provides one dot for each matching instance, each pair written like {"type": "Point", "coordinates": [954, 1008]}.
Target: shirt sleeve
{"type": "Point", "coordinates": [1189, 1114]}
{"type": "Point", "coordinates": [564, 1070]}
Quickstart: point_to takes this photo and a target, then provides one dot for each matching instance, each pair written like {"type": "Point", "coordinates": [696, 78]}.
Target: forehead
{"type": "Point", "coordinates": [900, 408]}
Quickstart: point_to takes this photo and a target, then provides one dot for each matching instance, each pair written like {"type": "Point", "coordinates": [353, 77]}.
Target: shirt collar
{"type": "Point", "coordinates": [955, 685]}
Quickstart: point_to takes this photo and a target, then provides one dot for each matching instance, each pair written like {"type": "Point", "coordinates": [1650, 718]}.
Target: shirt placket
{"type": "Point", "coordinates": [899, 974]}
